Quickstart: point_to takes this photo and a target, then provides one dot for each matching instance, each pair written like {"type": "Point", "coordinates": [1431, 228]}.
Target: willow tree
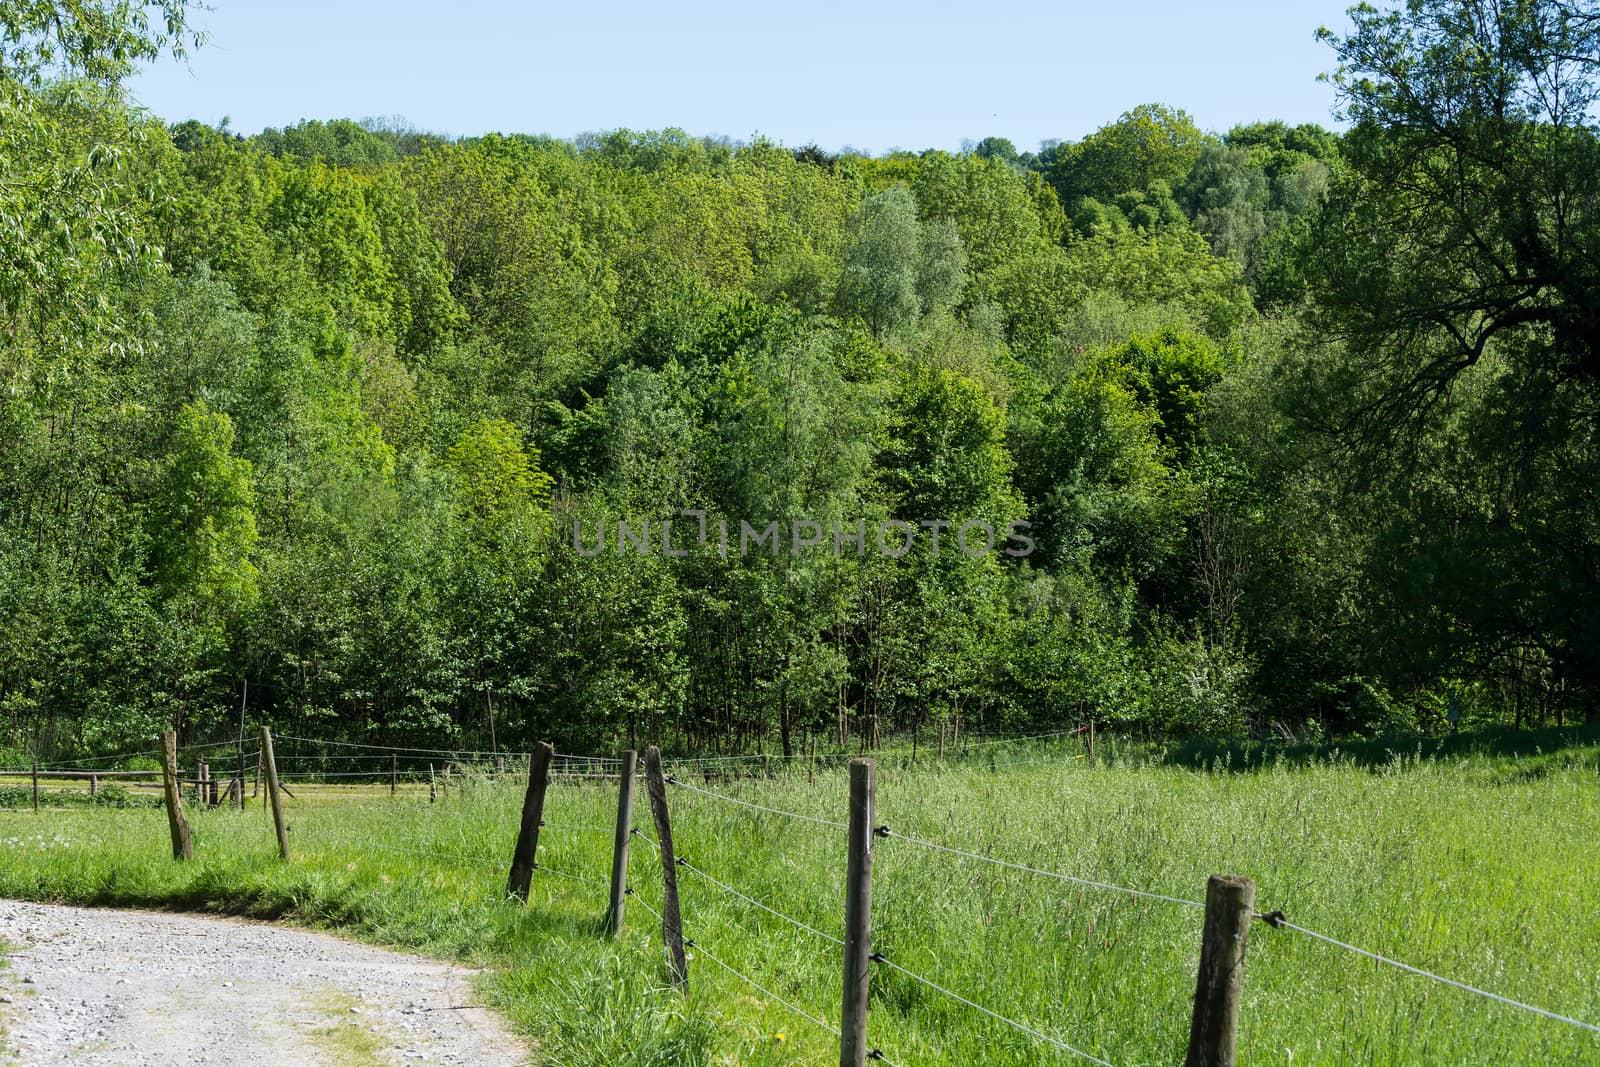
{"type": "Point", "coordinates": [1458, 269]}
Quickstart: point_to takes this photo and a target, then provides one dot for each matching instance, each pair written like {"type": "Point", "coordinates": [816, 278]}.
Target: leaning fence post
{"type": "Point", "coordinates": [1230, 901]}
{"type": "Point", "coordinates": [181, 848]}
{"type": "Point", "coordinates": [857, 916]}
{"type": "Point", "coordinates": [619, 847]}
{"type": "Point", "coordinates": [525, 858]}
{"type": "Point", "coordinates": [270, 762]}
{"type": "Point", "coordinates": [671, 919]}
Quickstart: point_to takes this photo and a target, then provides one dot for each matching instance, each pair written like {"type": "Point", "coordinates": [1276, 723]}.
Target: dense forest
{"type": "Point", "coordinates": [352, 428]}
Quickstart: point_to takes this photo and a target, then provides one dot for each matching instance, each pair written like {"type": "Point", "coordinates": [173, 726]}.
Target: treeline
{"type": "Point", "coordinates": [326, 421]}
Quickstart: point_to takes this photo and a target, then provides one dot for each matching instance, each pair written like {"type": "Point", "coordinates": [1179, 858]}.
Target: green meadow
{"type": "Point", "coordinates": [1478, 867]}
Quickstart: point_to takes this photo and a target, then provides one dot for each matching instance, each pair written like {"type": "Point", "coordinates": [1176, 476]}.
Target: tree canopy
{"type": "Point", "coordinates": [1280, 430]}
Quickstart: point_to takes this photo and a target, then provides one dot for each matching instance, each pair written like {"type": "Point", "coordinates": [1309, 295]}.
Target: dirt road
{"type": "Point", "coordinates": [116, 988]}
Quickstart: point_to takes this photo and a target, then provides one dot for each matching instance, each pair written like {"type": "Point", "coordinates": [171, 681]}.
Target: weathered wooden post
{"type": "Point", "coordinates": [499, 767]}
{"type": "Point", "coordinates": [271, 764]}
{"type": "Point", "coordinates": [244, 703]}
{"type": "Point", "coordinates": [671, 919]}
{"type": "Point", "coordinates": [857, 916]}
{"type": "Point", "coordinates": [36, 784]}
{"type": "Point", "coordinates": [181, 848]}
{"type": "Point", "coordinates": [1230, 901]}
{"type": "Point", "coordinates": [394, 774]}
{"type": "Point", "coordinates": [1091, 740]}
{"type": "Point", "coordinates": [433, 785]}
{"type": "Point", "coordinates": [525, 858]}
{"type": "Point", "coordinates": [619, 845]}
{"type": "Point", "coordinates": [94, 784]}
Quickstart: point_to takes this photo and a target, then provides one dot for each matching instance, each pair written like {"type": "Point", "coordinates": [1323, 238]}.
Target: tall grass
{"type": "Point", "coordinates": [1478, 868]}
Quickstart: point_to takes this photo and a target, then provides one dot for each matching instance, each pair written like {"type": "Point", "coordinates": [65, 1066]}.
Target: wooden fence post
{"type": "Point", "coordinates": [270, 762]}
{"type": "Point", "coordinates": [394, 774]}
{"type": "Point", "coordinates": [238, 782]}
{"type": "Point", "coordinates": [1230, 901]}
{"type": "Point", "coordinates": [857, 916]}
{"type": "Point", "coordinates": [619, 846]}
{"type": "Point", "coordinates": [1091, 740]}
{"type": "Point", "coordinates": [94, 784]}
{"type": "Point", "coordinates": [433, 784]}
{"type": "Point", "coordinates": [181, 848]}
{"type": "Point", "coordinates": [525, 858]}
{"type": "Point", "coordinates": [36, 784]}
{"type": "Point", "coordinates": [671, 919]}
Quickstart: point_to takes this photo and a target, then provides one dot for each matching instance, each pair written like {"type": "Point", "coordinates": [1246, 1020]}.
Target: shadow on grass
{"type": "Point", "coordinates": [1535, 752]}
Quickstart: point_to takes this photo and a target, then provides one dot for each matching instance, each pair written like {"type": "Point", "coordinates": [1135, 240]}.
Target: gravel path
{"type": "Point", "coordinates": [118, 988]}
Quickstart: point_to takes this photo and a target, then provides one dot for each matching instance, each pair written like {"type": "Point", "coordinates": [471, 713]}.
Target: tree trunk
{"type": "Point", "coordinates": [783, 720]}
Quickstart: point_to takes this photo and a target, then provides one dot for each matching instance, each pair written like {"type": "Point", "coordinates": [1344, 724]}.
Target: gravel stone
{"type": "Point", "coordinates": [131, 988]}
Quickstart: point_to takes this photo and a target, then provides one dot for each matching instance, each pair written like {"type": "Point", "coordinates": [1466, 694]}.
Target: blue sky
{"type": "Point", "coordinates": [870, 75]}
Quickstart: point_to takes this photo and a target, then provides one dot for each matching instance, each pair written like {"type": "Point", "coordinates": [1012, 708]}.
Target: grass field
{"type": "Point", "coordinates": [1478, 867]}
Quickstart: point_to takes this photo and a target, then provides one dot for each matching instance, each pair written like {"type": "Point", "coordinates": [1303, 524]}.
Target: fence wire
{"type": "Point", "coordinates": [1024, 1027]}
{"type": "Point", "coordinates": [752, 900]}
{"type": "Point", "coordinates": [747, 980]}
{"type": "Point", "coordinates": [758, 807]}
{"type": "Point", "coordinates": [885, 832]}
{"type": "Point", "coordinates": [584, 766]}
{"type": "Point", "coordinates": [1277, 921]}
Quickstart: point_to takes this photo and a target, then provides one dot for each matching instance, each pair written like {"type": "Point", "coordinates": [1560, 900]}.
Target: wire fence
{"type": "Point", "coordinates": [472, 768]}
{"type": "Point", "coordinates": [1013, 1023]}
{"type": "Point", "coordinates": [1277, 920]}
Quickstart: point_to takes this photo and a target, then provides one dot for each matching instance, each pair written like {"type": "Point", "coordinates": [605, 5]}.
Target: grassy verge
{"type": "Point", "coordinates": [1479, 868]}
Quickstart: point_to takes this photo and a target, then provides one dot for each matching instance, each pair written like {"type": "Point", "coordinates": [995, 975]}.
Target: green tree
{"type": "Point", "coordinates": [498, 474]}
{"type": "Point", "coordinates": [1152, 143]}
{"type": "Point", "coordinates": [896, 268]}
{"type": "Point", "coordinates": [1454, 270]}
